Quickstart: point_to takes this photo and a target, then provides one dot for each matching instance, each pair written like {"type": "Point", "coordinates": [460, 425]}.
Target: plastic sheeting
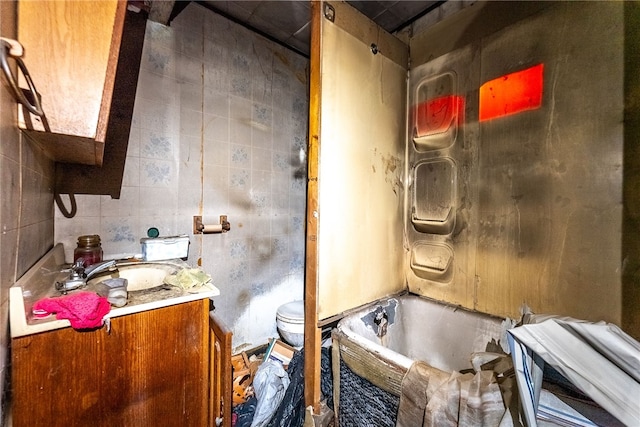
{"type": "Point", "coordinates": [290, 412]}
{"type": "Point", "coordinates": [598, 358]}
{"type": "Point", "coordinates": [270, 385]}
{"type": "Point", "coordinates": [432, 397]}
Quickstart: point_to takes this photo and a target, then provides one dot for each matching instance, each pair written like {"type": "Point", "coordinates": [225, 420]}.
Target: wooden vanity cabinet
{"type": "Point", "coordinates": [151, 369]}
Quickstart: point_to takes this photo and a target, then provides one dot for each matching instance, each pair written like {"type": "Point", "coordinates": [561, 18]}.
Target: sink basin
{"type": "Point", "coordinates": [139, 276]}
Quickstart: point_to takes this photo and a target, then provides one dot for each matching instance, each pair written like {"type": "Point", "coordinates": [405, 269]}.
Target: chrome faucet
{"type": "Point", "coordinates": [79, 275]}
{"type": "Point", "coordinates": [94, 269]}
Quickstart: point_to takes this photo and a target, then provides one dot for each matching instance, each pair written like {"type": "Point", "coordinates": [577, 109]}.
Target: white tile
{"type": "Point", "coordinates": [216, 177]}
{"type": "Point", "coordinates": [216, 53]}
{"type": "Point", "coordinates": [261, 159]}
{"type": "Point", "coordinates": [191, 44]}
{"type": "Point", "coordinates": [240, 85]}
{"type": "Point", "coordinates": [260, 203]}
{"type": "Point", "coordinates": [261, 181]}
{"type": "Point", "coordinates": [216, 153]}
{"type": "Point", "coordinates": [261, 137]}
{"type": "Point", "coordinates": [158, 202]}
{"type": "Point", "coordinates": [158, 173]}
{"type": "Point", "coordinates": [157, 87]}
{"type": "Point", "coordinates": [239, 132]}
{"type": "Point", "coordinates": [158, 59]}
{"type": "Point", "coordinates": [191, 96]}
{"type": "Point", "coordinates": [131, 176]}
{"type": "Point", "coordinates": [240, 180]}
{"type": "Point", "coordinates": [160, 35]}
{"type": "Point", "coordinates": [216, 77]}
{"type": "Point", "coordinates": [88, 205]}
{"type": "Point", "coordinates": [156, 145]}
{"type": "Point", "coordinates": [216, 103]}
{"type": "Point", "coordinates": [260, 244]}
{"type": "Point", "coordinates": [261, 227]}
{"type": "Point", "coordinates": [159, 117]}
{"type": "Point", "coordinates": [216, 127]}
{"type": "Point", "coordinates": [240, 109]}
{"type": "Point", "coordinates": [190, 150]}
{"type": "Point", "coordinates": [216, 202]}
{"type": "Point", "coordinates": [279, 225]}
{"type": "Point", "coordinates": [190, 122]}
{"type": "Point", "coordinates": [189, 69]}
{"type": "Point", "coordinates": [128, 205]}
{"type": "Point", "coordinates": [120, 235]}
{"type": "Point", "coordinates": [240, 156]}
{"type": "Point", "coordinates": [133, 147]}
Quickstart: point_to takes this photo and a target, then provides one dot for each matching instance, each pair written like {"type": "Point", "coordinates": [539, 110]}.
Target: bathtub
{"type": "Point", "coordinates": [380, 341]}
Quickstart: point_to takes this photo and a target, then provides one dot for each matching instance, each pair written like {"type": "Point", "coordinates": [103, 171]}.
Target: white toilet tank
{"type": "Point", "coordinates": [290, 323]}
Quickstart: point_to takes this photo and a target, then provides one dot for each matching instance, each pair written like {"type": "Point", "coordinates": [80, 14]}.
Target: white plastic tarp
{"type": "Point", "coordinates": [598, 358]}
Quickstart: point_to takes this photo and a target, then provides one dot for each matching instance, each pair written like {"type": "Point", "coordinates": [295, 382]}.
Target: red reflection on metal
{"type": "Point", "coordinates": [437, 115]}
{"type": "Point", "coordinates": [512, 93]}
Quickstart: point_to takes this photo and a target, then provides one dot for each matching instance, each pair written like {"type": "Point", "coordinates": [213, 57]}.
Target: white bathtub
{"type": "Point", "coordinates": [411, 328]}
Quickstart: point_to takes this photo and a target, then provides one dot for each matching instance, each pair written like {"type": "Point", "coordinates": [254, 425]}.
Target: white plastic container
{"type": "Point", "coordinates": [164, 248]}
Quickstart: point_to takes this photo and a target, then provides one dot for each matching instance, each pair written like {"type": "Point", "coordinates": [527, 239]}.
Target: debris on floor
{"type": "Point", "coordinates": [290, 411]}
{"type": "Point", "coordinates": [244, 370]}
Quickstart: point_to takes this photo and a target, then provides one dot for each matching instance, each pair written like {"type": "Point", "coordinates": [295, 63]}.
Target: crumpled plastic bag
{"type": "Point", "coordinates": [188, 278]}
{"type": "Point", "coordinates": [269, 384]}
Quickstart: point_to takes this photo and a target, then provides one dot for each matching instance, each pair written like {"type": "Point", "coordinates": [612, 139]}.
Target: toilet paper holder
{"type": "Point", "coordinates": [200, 228]}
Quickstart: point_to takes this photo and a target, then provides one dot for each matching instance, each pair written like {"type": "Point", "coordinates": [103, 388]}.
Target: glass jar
{"type": "Point", "coordinates": [89, 249]}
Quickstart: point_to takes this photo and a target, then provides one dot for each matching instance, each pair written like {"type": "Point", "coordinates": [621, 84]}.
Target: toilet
{"type": "Point", "coordinates": [290, 323]}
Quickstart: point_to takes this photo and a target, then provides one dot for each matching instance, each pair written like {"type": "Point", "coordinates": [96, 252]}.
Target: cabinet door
{"type": "Point", "coordinates": [220, 371]}
{"type": "Point", "coordinates": [151, 369]}
{"type": "Point", "coordinates": [84, 58]}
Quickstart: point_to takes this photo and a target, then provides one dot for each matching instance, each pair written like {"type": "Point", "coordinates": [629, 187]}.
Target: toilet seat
{"type": "Point", "coordinates": [292, 312]}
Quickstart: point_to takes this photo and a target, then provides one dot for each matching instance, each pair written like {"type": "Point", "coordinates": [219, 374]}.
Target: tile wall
{"type": "Point", "coordinates": [26, 203]}
{"type": "Point", "coordinates": [220, 127]}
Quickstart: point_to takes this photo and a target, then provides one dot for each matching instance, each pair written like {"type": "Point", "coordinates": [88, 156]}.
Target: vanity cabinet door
{"type": "Point", "coordinates": [220, 372]}
{"type": "Point", "coordinates": [151, 369]}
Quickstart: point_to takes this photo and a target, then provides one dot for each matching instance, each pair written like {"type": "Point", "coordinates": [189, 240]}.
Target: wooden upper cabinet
{"type": "Point", "coordinates": [84, 59]}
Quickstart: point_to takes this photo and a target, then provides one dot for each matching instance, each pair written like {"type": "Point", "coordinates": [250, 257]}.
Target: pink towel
{"type": "Point", "coordinates": [85, 310]}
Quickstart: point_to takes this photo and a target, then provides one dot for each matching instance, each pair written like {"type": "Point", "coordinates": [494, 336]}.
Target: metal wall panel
{"type": "Point", "coordinates": [545, 186]}
{"type": "Point", "coordinates": [551, 179]}
{"type": "Point", "coordinates": [361, 166]}
{"type": "Point", "coordinates": [440, 260]}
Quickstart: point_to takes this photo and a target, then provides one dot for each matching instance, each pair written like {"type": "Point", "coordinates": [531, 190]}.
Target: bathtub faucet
{"type": "Point", "coordinates": [382, 321]}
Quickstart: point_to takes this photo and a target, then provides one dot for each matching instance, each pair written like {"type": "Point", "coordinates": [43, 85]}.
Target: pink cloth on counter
{"type": "Point", "coordinates": [85, 310]}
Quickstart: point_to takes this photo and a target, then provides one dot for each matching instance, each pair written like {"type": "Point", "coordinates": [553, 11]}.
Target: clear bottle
{"type": "Point", "coordinates": [89, 249]}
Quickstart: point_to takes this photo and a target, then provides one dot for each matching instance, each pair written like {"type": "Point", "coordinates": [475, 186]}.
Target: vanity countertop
{"type": "Point", "coordinates": [38, 283]}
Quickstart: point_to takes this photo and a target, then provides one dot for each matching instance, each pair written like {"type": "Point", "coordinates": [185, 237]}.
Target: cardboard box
{"type": "Point", "coordinates": [280, 352]}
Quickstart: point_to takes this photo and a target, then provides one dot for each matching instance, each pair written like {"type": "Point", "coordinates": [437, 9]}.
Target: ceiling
{"type": "Point", "coordinates": [287, 22]}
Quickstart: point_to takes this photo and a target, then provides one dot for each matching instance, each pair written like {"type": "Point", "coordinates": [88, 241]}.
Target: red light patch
{"type": "Point", "coordinates": [511, 93]}
{"type": "Point", "coordinates": [437, 115]}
